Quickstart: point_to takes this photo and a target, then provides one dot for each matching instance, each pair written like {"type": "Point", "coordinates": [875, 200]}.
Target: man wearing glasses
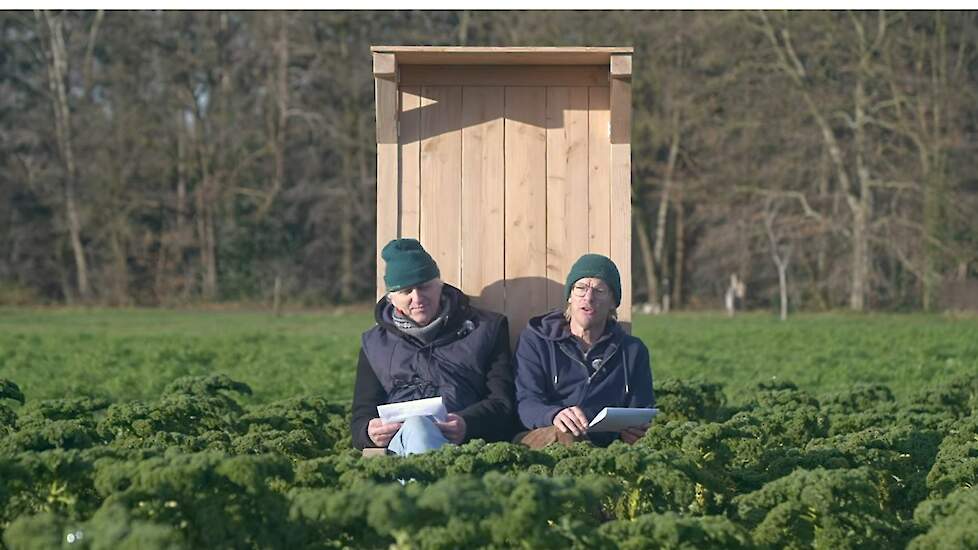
{"type": "Point", "coordinates": [429, 342]}
{"type": "Point", "coordinates": [574, 361]}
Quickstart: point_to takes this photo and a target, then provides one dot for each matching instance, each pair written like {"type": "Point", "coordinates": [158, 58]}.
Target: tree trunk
{"type": "Point", "coordinates": [347, 230]}
{"type": "Point", "coordinates": [89, 61]}
{"type": "Point", "coordinates": [860, 246]}
{"type": "Point", "coordinates": [184, 235]}
{"type": "Point", "coordinates": [934, 187]}
{"type": "Point", "coordinates": [463, 27]}
{"type": "Point", "coordinates": [822, 246]}
{"type": "Point", "coordinates": [935, 175]}
{"type": "Point", "coordinates": [648, 261]}
{"type": "Point", "coordinates": [57, 73]}
{"type": "Point", "coordinates": [66, 288]}
{"type": "Point", "coordinates": [347, 274]}
{"type": "Point", "coordinates": [660, 230]}
{"type": "Point", "coordinates": [210, 272]}
{"type": "Point", "coordinates": [778, 255]}
{"type": "Point", "coordinates": [277, 297]}
{"type": "Point", "coordinates": [677, 271]}
{"type": "Point", "coordinates": [858, 200]}
{"type": "Point", "coordinates": [160, 275]}
{"type": "Point", "coordinates": [783, 284]}
{"type": "Point", "coordinates": [120, 275]}
{"type": "Point", "coordinates": [861, 204]}
{"type": "Point", "coordinates": [205, 238]}
{"type": "Point", "coordinates": [281, 86]}
{"type": "Point", "coordinates": [181, 177]}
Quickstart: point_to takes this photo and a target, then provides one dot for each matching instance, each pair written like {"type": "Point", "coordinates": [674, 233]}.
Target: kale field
{"type": "Point", "coordinates": [170, 429]}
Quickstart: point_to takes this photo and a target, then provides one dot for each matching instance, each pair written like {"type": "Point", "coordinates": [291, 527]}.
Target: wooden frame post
{"type": "Point", "coordinates": [388, 207]}
{"type": "Point", "coordinates": [621, 177]}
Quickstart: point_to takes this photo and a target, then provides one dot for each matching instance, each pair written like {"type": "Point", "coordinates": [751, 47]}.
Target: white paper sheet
{"type": "Point", "coordinates": [399, 412]}
{"type": "Point", "coordinates": [616, 419]}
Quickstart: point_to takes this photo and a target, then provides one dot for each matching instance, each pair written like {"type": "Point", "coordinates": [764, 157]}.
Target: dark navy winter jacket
{"type": "Point", "coordinates": [552, 373]}
{"type": "Point", "coordinates": [468, 365]}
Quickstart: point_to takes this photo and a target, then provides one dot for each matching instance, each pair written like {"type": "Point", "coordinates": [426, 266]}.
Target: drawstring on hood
{"type": "Point", "coordinates": [628, 373]}
{"type": "Point", "coordinates": [553, 360]}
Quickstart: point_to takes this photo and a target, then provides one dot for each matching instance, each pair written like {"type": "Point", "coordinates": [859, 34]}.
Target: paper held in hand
{"type": "Point", "coordinates": [399, 412]}
{"type": "Point", "coordinates": [616, 419]}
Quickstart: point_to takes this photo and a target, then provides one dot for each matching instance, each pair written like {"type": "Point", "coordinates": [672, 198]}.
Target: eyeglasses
{"type": "Point", "coordinates": [581, 290]}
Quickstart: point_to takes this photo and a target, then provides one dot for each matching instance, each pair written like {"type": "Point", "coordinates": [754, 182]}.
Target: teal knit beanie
{"type": "Point", "coordinates": [598, 266]}
{"type": "Point", "coordinates": [407, 264]}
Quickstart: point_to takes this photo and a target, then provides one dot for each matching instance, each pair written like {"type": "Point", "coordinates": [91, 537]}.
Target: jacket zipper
{"type": "Point", "coordinates": [587, 383]}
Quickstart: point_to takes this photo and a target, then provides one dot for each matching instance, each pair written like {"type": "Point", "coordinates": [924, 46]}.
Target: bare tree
{"type": "Point", "coordinates": [225, 150]}
{"type": "Point", "coordinates": [57, 58]}
{"type": "Point", "coordinates": [278, 117]}
{"type": "Point", "coordinates": [858, 188]}
{"type": "Point", "coordinates": [780, 250]}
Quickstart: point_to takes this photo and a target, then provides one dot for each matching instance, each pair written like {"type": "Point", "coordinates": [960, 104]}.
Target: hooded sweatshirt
{"type": "Point", "coordinates": [553, 373]}
{"type": "Point", "coordinates": [467, 363]}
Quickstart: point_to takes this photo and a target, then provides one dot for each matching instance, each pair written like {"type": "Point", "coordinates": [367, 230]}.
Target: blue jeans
{"type": "Point", "coordinates": [417, 435]}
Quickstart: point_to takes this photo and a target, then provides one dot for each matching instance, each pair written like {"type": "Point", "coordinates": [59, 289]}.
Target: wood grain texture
{"type": "Point", "coordinates": [621, 66]}
{"type": "Point", "coordinates": [441, 175]}
{"type": "Point", "coordinates": [621, 191]}
{"type": "Point", "coordinates": [621, 225]}
{"type": "Point", "coordinates": [599, 172]}
{"type": "Point", "coordinates": [409, 224]}
{"type": "Point", "coordinates": [526, 204]}
{"type": "Point", "coordinates": [387, 204]}
{"type": "Point", "coordinates": [483, 183]}
{"type": "Point", "coordinates": [567, 184]}
{"type": "Point", "coordinates": [621, 111]}
{"type": "Point", "coordinates": [488, 75]}
{"type": "Point", "coordinates": [455, 55]}
{"type": "Point", "coordinates": [385, 64]}
{"type": "Point", "coordinates": [385, 91]}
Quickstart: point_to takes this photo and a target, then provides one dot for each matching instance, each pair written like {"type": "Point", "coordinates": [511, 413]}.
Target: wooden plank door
{"type": "Point", "coordinates": [506, 186]}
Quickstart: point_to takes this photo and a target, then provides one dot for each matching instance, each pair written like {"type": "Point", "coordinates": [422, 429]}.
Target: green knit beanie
{"type": "Point", "coordinates": [407, 264]}
{"type": "Point", "coordinates": [598, 266]}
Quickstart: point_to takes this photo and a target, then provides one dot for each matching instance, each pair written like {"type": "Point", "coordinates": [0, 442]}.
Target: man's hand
{"type": "Point", "coordinates": [571, 420]}
{"type": "Point", "coordinates": [453, 428]}
{"type": "Point", "coordinates": [633, 434]}
{"type": "Point", "coordinates": [381, 432]}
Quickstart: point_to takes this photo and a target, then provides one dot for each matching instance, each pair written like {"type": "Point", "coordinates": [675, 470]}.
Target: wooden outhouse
{"type": "Point", "coordinates": [507, 164]}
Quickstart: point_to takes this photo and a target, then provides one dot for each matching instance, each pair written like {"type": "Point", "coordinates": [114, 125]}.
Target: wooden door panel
{"type": "Point", "coordinates": [482, 196]}
{"type": "Point", "coordinates": [410, 162]}
{"type": "Point", "coordinates": [441, 175]}
{"type": "Point", "coordinates": [599, 174]}
{"type": "Point", "coordinates": [567, 184]}
{"type": "Point", "coordinates": [526, 204]}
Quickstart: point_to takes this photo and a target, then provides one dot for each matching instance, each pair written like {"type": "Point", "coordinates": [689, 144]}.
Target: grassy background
{"type": "Point", "coordinates": [133, 354]}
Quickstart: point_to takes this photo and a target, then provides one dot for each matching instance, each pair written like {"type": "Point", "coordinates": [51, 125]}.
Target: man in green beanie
{"type": "Point", "coordinates": [429, 342]}
{"type": "Point", "coordinates": [576, 360]}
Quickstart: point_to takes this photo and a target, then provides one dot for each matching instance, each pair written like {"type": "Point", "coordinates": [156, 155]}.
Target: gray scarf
{"type": "Point", "coordinates": [427, 333]}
